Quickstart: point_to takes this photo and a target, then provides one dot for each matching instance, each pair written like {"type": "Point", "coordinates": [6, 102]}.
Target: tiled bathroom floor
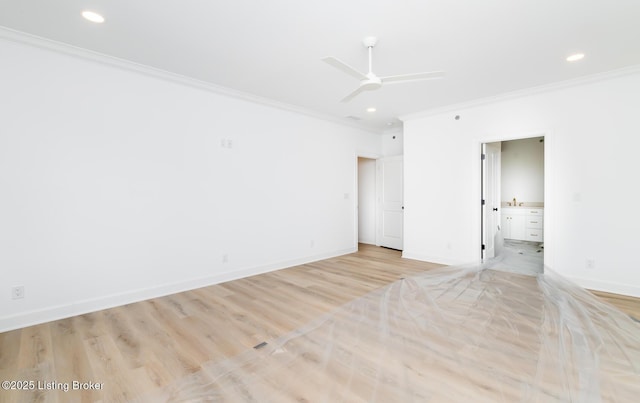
{"type": "Point", "coordinates": [522, 257]}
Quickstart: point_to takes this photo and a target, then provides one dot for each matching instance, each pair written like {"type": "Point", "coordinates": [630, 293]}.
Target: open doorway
{"type": "Point", "coordinates": [513, 202]}
{"type": "Point", "coordinates": [380, 206]}
{"type": "Point", "coordinates": [366, 207]}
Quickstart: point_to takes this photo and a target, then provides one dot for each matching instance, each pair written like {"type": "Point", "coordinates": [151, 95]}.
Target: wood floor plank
{"type": "Point", "coordinates": [70, 358]}
{"type": "Point", "coordinates": [627, 304]}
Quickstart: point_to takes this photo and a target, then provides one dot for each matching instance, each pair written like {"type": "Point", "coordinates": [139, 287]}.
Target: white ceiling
{"type": "Point", "coordinates": [273, 48]}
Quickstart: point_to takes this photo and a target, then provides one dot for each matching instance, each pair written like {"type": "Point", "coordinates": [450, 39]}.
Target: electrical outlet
{"type": "Point", "coordinates": [591, 264]}
{"type": "Point", "coordinates": [17, 292]}
{"type": "Point", "coordinates": [226, 143]}
{"type": "Point", "coordinates": [312, 243]}
{"type": "Point", "coordinates": [225, 258]}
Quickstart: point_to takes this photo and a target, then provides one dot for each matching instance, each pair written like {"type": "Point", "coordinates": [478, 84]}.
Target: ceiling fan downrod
{"type": "Point", "coordinates": [370, 42]}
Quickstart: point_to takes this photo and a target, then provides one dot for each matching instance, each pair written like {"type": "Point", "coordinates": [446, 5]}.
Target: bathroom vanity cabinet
{"type": "Point", "coordinates": [522, 223]}
{"type": "Point", "coordinates": [513, 223]}
{"type": "Point", "coordinates": [533, 225]}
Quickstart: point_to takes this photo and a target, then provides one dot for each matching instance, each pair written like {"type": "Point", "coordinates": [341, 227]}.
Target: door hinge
{"type": "Point", "coordinates": [483, 246]}
{"type": "Point", "coordinates": [483, 201]}
{"type": "Point", "coordinates": [483, 156]}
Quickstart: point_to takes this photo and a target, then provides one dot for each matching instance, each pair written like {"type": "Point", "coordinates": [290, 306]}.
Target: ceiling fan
{"type": "Point", "coordinates": [370, 81]}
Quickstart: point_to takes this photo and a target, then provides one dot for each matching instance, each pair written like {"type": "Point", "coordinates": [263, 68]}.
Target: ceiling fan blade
{"type": "Point", "coordinates": [340, 65]}
{"type": "Point", "coordinates": [430, 75]}
{"type": "Point", "coordinates": [353, 94]}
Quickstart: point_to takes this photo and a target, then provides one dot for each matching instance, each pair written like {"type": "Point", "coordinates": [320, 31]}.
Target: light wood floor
{"type": "Point", "coordinates": [628, 305]}
{"type": "Point", "coordinates": [138, 349]}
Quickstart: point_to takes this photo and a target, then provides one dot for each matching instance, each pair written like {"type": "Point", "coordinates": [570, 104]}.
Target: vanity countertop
{"type": "Point", "coordinates": [523, 205]}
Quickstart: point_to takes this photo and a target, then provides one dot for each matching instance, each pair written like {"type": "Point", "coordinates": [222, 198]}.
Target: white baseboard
{"type": "Point", "coordinates": [433, 259]}
{"type": "Point", "coordinates": [614, 288]}
{"type": "Point", "coordinates": [48, 314]}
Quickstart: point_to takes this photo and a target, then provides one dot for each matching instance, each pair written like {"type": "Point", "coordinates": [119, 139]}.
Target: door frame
{"type": "Point", "coordinates": [549, 208]}
{"type": "Point", "coordinates": [356, 198]}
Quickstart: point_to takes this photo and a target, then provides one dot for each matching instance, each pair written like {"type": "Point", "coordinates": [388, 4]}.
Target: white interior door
{"type": "Point", "coordinates": [491, 234]}
{"type": "Point", "coordinates": [390, 202]}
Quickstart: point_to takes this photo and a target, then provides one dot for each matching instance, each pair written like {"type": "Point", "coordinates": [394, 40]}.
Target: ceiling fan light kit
{"type": "Point", "coordinates": [370, 81]}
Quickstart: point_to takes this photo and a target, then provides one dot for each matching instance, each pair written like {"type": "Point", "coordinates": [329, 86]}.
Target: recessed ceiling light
{"type": "Point", "coordinates": [93, 17]}
{"type": "Point", "coordinates": [575, 57]}
{"type": "Point", "coordinates": [371, 110]}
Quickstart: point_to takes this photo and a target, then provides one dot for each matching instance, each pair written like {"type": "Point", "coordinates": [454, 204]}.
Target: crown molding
{"type": "Point", "coordinates": [86, 54]}
{"type": "Point", "coordinates": [592, 78]}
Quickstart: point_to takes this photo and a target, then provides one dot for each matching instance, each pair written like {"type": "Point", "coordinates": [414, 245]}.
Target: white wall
{"type": "Point", "coordinates": [522, 173]}
{"type": "Point", "coordinates": [367, 201]}
{"type": "Point", "coordinates": [115, 186]}
{"type": "Point", "coordinates": [392, 143]}
{"type": "Point", "coordinates": [591, 171]}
